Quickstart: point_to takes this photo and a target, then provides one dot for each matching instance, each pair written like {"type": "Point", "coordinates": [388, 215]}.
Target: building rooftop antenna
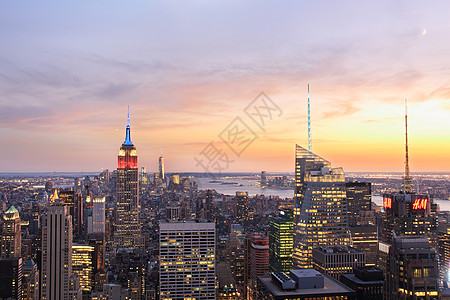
{"type": "Point", "coordinates": [309, 123]}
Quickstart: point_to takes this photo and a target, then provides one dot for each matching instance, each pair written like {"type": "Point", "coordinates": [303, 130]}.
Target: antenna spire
{"type": "Point", "coordinates": [127, 132]}
{"type": "Point", "coordinates": [309, 123]}
{"type": "Point", "coordinates": [407, 178]}
{"type": "Point", "coordinates": [128, 119]}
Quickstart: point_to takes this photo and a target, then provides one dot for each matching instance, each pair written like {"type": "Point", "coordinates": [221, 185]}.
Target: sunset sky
{"type": "Point", "coordinates": [187, 69]}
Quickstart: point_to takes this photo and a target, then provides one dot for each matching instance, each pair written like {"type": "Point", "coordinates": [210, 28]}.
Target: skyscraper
{"type": "Point", "coordinates": [187, 260]}
{"type": "Point", "coordinates": [320, 216]}
{"type": "Point", "coordinates": [444, 253]}
{"type": "Point", "coordinates": [413, 269]}
{"type": "Point", "coordinates": [75, 203]}
{"type": "Point", "coordinates": [242, 209]}
{"type": "Point", "coordinates": [408, 214]}
{"type": "Point", "coordinates": [11, 278]}
{"type": "Point", "coordinates": [127, 231]}
{"type": "Point", "coordinates": [98, 215]}
{"type": "Point", "coordinates": [30, 282]}
{"type": "Point", "coordinates": [359, 198]}
{"type": "Point", "coordinates": [56, 253]}
{"type": "Point", "coordinates": [82, 265]}
{"type": "Point", "coordinates": [161, 169]}
{"type": "Point", "coordinates": [11, 234]}
{"type": "Point", "coordinates": [281, 238]}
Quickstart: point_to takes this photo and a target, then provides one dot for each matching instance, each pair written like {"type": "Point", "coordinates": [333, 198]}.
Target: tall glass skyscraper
{"type": "Point", "coordinates": [321, 209]}
{"type": "Point", "coordinates": [281, 241]}
{"type": "Point", "coordinates": [127, 230]}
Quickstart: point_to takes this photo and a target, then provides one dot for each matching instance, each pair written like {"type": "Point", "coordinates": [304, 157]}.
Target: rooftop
{"type": "Point", "coordinates": [331, 286]}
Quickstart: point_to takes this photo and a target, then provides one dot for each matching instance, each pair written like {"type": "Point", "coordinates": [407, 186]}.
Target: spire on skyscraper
{"type": "Point", "coordinates": [407, 178]}
{"type": "Point", "coordinates": [309, 123]}
{"type": "Point", "coordinates": [128, 134]}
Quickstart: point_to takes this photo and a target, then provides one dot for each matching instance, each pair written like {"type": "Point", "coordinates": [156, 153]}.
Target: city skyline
{"type": "Point", "coordinates": [187, 70]}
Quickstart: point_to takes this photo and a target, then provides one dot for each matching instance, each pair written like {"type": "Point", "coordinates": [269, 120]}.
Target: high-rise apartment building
{"type": "Point", "coordinates": [56, 253]}
{"type": "Point", "coordinates": [11, 239]}
{"type": "Point", "coordinates": [187, 260]}
{"type": "Point", "coordinates": [281, 240]}
{"type": "Point", "coordinates": [320, 216]}
{"type": "Point", "coordinates": [127, 230]}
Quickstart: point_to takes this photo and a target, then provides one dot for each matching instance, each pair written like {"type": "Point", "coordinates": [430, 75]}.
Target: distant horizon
{"type": "Point", "coordinates": [222, 174]}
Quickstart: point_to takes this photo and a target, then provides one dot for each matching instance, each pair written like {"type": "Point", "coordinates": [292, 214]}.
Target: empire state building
{"type": "Point", "coordinates": [127, 229]}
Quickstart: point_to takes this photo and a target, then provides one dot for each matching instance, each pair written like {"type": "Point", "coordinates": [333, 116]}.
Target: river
{"type": "Point", "coordinates": [229, 186]}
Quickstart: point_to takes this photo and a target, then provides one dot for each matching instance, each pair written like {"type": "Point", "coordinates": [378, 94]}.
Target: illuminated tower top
{"type": "Point", "coordinates": [127, 153]}
{"type": "Point", "coordinates": [128, 134]}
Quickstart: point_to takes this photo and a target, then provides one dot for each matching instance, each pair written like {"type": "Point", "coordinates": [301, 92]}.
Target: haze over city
{"type": "Point", "coordinates": [68, 71]}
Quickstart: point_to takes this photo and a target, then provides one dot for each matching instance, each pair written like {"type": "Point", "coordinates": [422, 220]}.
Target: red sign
{"type": "Point", "coordinates": [387, 203]}
{"type": "Point", "coordinates": [420, 204]}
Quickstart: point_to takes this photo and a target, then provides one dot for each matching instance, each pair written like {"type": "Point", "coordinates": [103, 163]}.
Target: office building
{"type": "Point", "coordinates": [302, 284]}
{"type": "Point", "coordinates": [82, 266]}
{"type": "Point", "coordinates": [408, 214]}
{"type": "Point", "coordinates": [359, 198]}
{"type": "Point", "coordinates": [162, 176]}
{"type": "Point", "coordinates": [413, 269]}
{"type": "Point", "coordinates": [11, 239]}
{"type": "Point", "coordinates": [281, 240]}
{"type": "Point", "coordinates": [98, 215]}
{"type": "Point", "coordinates": [367, 282]}
{"type": "Point", "coordinates": [337, 260]}
{"type": "Point", "coordinates": [75, 291]}
{"type": "Point", "coordinates": [11, 278]}
{"type": "Point", "coordinates": [76, 209]}
{"type": "Point", "coordinates": [258, 264]}
{"type": "Point", "coordinates": [259, 256]}
{"type": "Point", "coordinates": [175, 178]}
{"type": "Point", "coordinates": [187, 260]}
{"type": "Point", "coordinates": [444, 254]}
{"type": "Point", "coordinates": [210, 211]}
{"type": "Point", "coordinates": [111, 291]}
{"type": "Point", "coordinates": [365, 239]}
{"type": "Point", "coordinates": [56, 253]}
{"type": "Point", "coordinates": [320, 216]}
{"type": "Point", "coordinates": [127, 229]}
{"type": "Point", "coordinates": [30, 281]}
{"type": "Point", "coordinates": [242, 209]}
{"type": "Point", "coordinates": [263, 182]}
